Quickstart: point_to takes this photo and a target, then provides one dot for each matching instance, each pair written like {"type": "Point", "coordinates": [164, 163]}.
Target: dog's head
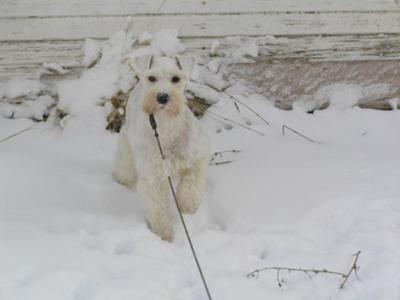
{"type": "Point", "coordinates": [163, 79]}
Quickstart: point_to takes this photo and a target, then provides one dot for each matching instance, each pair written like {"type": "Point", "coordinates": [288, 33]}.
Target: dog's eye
{"type": "Point", "coordinates": [152, 79]}
{"type": "Point", "coordinates": [175, 79]}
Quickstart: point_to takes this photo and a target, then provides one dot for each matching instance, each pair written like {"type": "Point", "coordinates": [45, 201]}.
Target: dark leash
{"type": "Point", "coordinates": [154, 126]}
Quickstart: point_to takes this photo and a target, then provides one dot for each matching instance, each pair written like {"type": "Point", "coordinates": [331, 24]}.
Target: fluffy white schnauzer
{"type": "Point", "coordinates": [138, 162]}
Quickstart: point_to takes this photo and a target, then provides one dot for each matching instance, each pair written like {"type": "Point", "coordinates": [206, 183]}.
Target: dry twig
{"type": "Point", "coordinates": [219, 163]}
{"type": "Point", "coordinates": [234, 122]}
{"type": "Point", "coordinates": [234, 99]}
{"type": "Point", "coordinates": [236, 106]}
{"type": "Point", "coordinates": [206, 109]}
{"type": "Point", "coordinates": [221, 154]}
{"type": "Point", "coordinates": [18, 132]}
{"type": "Point", "coordinates": [296, 132]}
{"type": "Point", "coordinates": [354, 268]}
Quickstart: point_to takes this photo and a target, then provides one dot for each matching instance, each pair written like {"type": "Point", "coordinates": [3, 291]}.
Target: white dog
{"type": "Point", "coordinates": [138, 161]}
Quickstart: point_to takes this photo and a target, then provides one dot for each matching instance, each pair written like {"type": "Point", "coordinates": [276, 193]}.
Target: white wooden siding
{"type": "Point", "coordinates": [37, 31]}
{"type": "Point", "coordinates": [22, 29]}
{"type": "Point", "coordinates": [68, 8]}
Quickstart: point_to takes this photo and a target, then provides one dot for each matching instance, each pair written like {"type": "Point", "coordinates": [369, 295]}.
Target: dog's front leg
{"type": "Point", "coordinates": [124, 164]}
{"type": "Point", "coordinates": [156, 194]}
{"type": "Point", "coordinates": [190, 187]}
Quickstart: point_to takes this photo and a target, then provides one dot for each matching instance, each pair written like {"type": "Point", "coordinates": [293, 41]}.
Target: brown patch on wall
{"type": "Point", "coordinates": [286, 82]}
{"type": "Point", "coordinates": [379, 104]}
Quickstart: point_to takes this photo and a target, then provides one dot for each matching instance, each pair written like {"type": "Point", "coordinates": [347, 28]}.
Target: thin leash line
{"type": "Point", "coordinates": [203, 279]}
{"type": "Point", "coordinates": [190, 240]}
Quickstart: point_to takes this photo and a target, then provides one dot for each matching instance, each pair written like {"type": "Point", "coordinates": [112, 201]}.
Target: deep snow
{"type": "Point", "coordinates": [68, 231]}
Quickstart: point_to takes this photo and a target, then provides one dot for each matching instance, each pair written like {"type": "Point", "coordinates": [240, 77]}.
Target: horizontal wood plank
{"type": "Point", "coordinates": [201, 26]}
{"type": "Point", "coordinates": [25, 58]}
{"type": "Point", "coordinates": [45, 8]}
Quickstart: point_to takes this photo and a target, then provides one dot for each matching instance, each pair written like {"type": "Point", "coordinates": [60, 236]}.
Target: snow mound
{"type": "Point", "coordinates": [91, 52]}
{"type": "Point", "coordinates": [37, 110]}
{"type": "Point", "coordinates": [99, 83]}
{"type": "Point", "coordinates": [166, 42]}
{"type": "Point", "coordinates": [18, 88]}
{"type": "Point", "coordinates": [22, 98]}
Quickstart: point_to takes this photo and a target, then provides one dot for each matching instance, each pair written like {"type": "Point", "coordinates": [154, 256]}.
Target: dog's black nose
{"type": "Point", "coordinates": [162, 98]}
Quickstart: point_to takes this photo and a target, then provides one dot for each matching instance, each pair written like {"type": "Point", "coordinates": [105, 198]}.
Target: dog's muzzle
{"type": "Point", "coordinates": [162, 98]}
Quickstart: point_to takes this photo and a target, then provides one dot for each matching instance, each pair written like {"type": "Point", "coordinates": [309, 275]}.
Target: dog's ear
{"type": "Point", "coordinates": [186, 64]}
{"type": "Point", "coordinates": [139, 64]}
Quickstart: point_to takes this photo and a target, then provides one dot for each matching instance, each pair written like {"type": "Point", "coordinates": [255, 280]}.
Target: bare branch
{"type": "Point", "coordinates": [278, 279]}
{"type": "Point", "coordinates": [234, 99]}
{"type": "Point", "coordinates": [354, 268]}
{"type": "Point", "coordinates": [220, 163]}
{"type": "Point", "coordinates": [255, 273]}
{"type": "Point", "coordinates": [236, 106]}
{"type": "Point", "coordinates": [308, 274]}
{"type": "Point", "coordinates": [206, 109]}
{"type": "Point", "coordinates": [221, 153]}
{"type": "Point", "coordinates": [234, 122]}
{"type": "Point", "coordinates": [296, 132]}
{"type": "Point", "coordinates": [18, 133]}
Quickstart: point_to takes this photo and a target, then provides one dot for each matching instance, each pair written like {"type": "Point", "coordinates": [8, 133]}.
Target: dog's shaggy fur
{"type": "Point", "coordinates": [138, 162]}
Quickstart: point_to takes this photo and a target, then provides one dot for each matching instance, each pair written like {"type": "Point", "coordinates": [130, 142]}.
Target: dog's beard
{"type": "Point", "coordinates": [172, 108]}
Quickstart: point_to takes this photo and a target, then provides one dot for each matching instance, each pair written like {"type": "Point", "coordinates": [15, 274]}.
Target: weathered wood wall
{"type": "Point", "coordinates": [36, 31]}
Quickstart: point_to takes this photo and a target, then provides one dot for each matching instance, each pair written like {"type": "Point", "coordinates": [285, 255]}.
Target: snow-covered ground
{"type": "Point", "coordinates": [68, 231]}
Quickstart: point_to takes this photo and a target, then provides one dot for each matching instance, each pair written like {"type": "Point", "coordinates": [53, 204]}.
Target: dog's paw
{"type": "Point", "coordinates": [168, 237]}
{"type": "Point", "coordinates": [188, 207]}
{"type": "Point", "coordinates": [188, 200]}
{"type": "Point", "coordinates": [165, 233]}
{"type": "Point", "coordinates": [124, 180]}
